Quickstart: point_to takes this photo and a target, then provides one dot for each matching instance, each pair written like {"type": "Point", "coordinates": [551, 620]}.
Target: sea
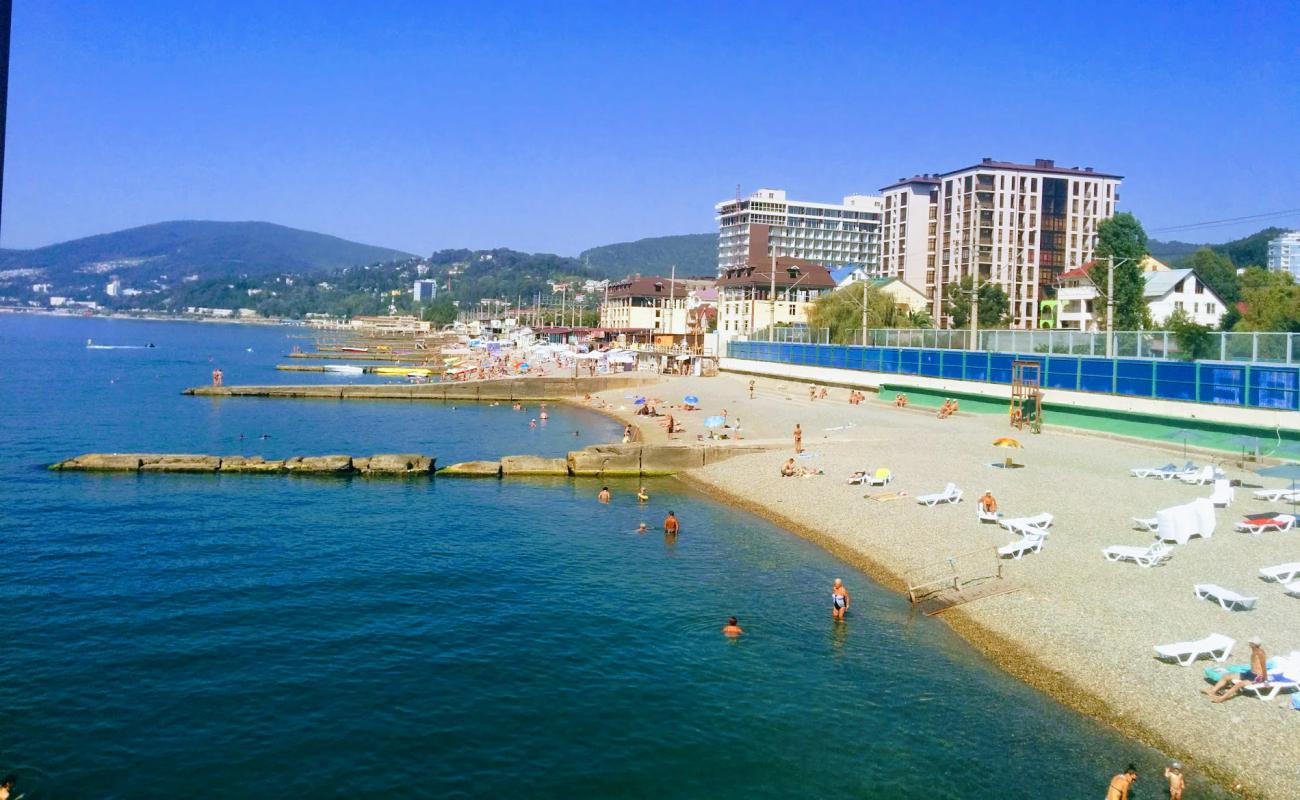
{"type": "Point", "coordinates": [169, 636]}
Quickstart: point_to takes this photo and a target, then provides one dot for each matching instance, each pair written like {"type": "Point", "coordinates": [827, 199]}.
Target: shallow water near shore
{"type": "Point", "coordinates": [202, 636]}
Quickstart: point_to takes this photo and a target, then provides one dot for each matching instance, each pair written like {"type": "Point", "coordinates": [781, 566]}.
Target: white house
{"type": "Point", "coordinates": [1182, 289]}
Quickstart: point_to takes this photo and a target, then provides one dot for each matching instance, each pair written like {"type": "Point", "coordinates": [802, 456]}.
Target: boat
{"type": "Point", "coordinates": [345, 369]}
{"type": "Point", "coordinates": [355, 349]}
{"type": "Point", "coordinates": [404, 371]}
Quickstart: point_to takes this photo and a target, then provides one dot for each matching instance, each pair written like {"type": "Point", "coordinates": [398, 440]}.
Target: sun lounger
{"type": "Point", "coordinates": [1147, 557]}
{"type": "Point", "coordinates": [1283, 676]}
{"type": "Point", "coordinates": [1226, 598]}
{"type": "Point", "coordinates": [1146, 523]}
{"type": "Point", "coordinates": [1281, 573]}
{"type": "Point", "coordinates": [1282, 522]}
{"type": "Point", "coordinates": [950, 494]}
{"type": "Point", "coordinates": [1037, 524]}
{"type": "Point", "coordinates": [858, 479]}
{"type": "Point", "coordinates": [1167, 472]}
{"type": "Point", "coordinates": [1274, 495]}
{"type": "Point", "coordinates": [1223, 493]}
{"type": "Point", "coordinates": [1216, 646]}
{"type": "Point", "coordinates": [1203, 476]}
{"type": "Point", "coordinates": [880, 478]}
{"type": "Point", "coordinates": [986, 516]}
{"type": "Point", "coordinates": [1292, 588]}
{"type": "Point", "coordinates": [1027, 544]}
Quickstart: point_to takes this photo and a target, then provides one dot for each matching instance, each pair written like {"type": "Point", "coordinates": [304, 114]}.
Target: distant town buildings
{"type": "Point", "coordinates": [114, 288]}
{"type": "Point", "coordinates": [1284, 253]}
{"type": "Point", "coordinates": [425, 291]}
{"type": "Point", "coordinates": [1080, 305]}
{"type": "Point", "coordinates": [747, 303]}
{"type": "Point", "coordinates": [654, 305]}
{"type": "Point", "coordinates": [768, 223]}
{"type": "Point", "coordinates": [1020, 226]}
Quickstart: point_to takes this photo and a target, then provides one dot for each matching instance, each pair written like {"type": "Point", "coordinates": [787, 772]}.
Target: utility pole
{"type": "Point", "coordinates": [672, 291]}
{"type": "Point", "coordinates": [974, 312]}
{"type": "Point", "coordinates": [771, 302]}
{"type": "Point", "coordinates": [1110, 307]}
{"type": "Point", "coordinates": [865, 286]}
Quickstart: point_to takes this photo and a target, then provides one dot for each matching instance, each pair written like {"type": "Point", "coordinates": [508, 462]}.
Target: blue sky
{"type": "Point", "coordinates": [559, 126]}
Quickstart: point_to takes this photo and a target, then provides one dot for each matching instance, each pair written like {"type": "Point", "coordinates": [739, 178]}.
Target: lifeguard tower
{"type": "Point", "coordinates": [1027, 395]}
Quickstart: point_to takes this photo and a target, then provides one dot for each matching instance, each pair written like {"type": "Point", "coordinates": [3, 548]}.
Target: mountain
{"type": "Point", "coordinates": [1247, 251]}
{"type": "Point", "coordinates": [692, 253]}
{"type": "Point", "coordinates": [190, 248]}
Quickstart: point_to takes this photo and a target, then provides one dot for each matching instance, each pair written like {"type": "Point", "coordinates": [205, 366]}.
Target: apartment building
{"type": "Point", "coordinates": [746, 302]}
{"type": "Point", "coordinates": [1284, 253]}
{"type": "Point", "coordinates": [425, 291]}
{"type": "Point", "coordinates": [653, 304]}
{"type": "Point", "coordinates": [1017, 225]}
{"type": "Point", "coordinates": [829, 234]}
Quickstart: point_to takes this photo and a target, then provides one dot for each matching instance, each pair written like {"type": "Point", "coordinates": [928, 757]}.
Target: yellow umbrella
{"type": "Point", "coordinates": [1007, 441]}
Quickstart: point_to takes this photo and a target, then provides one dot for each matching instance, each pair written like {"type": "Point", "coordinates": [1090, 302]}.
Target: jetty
{"type": "Point", "coordinates": [500, 389]}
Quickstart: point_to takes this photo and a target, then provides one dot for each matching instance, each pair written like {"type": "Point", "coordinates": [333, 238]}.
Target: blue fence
{"type": "Point", "coordinates": [1248, 385]}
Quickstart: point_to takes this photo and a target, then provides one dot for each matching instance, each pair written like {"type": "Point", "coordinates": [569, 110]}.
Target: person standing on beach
{"type": "Point", "coordinates": [671, 525]}
{"type": "Point", "coordinates": [604, 495]}
{"type": "Point", "coordinates": [798, 439]}
{"type": "Point", "coordinates": [1120, 784]}
{"type": "Point", "coordinates": [1174, 774]}
{"type": "Point", "coordinates": [732, 628]}
{"type": "Point", "coordinates": [751, 390]}
{"type": "Point", "coordinates": [840, 600]}
{"type": "Point", "coordinates": [812, 392]}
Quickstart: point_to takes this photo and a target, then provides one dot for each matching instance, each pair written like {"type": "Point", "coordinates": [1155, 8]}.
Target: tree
{"type": "Point", "coordinates": [442, 311]}
{"type": "Point", "coordinates": [1218, 273]}
{"type": "Point", "coordinates": [1122, 236]}
{"type": "Point", "coordinates": [840, 311]}
{"type": "Point", "coordinates": [1271, 299]}
{"type": "Point", "coordinates": [993, 305]}
{"type": "Point", "coordinates": [1194, 340]}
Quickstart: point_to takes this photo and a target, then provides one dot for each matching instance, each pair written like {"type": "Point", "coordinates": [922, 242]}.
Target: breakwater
{"type": "Point", "coordinates": [507, 390]}
{"type": "Point", "coordinates": [596, 461]}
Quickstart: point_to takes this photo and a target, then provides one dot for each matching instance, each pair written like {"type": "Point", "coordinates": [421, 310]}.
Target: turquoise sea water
{"type": "Point", "coordinates": [265, 636]}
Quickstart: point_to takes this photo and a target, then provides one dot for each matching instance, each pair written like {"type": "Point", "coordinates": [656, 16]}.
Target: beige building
{"type": "Point", "coordinates": [653, 304]}
{"type": "Point", "coordinates": [1015, 225]}
{"type": "Point", "coordinates": [906, 297]}
{"type": "Point", "coordinates": [746, 303]}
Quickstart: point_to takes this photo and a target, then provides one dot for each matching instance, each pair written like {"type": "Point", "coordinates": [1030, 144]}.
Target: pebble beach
{"type": "Point", "coordinates": [1064, 620]}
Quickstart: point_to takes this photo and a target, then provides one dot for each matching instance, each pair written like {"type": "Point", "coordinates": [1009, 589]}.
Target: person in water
{"type": "Point", "coordinates": [732, 628]}
{"type": "Point", "coordinates": [671, 525]}
{"type": "Point", "coordinates": [642, 496]}
{"type": "Point", "coordinates": [532, 423]}
{"type": "Point", "coordinates": [543, 414]}
{"type": "Point", "coordinates": [1121, 783]}
{"type": "Point", "coordinates": [840, 600]}
{"type": "Point", "coordinates": [7, 785]}
{"type": "Point", "coordinates": [642, 528]}
{"type": "Point", "coordinates": [604, 494]}
{"type": "Point", "coordinates": [1174, 774]}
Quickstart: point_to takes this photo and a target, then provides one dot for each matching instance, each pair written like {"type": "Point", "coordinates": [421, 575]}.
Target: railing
{"type": "Point", "coordinates": [1252, 348]}
{"type": "Point", "coordinates": [1246, 385]}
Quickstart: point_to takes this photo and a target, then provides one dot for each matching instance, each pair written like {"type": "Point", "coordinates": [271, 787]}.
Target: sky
{"type": "Point", "coordinates": [553, 127]}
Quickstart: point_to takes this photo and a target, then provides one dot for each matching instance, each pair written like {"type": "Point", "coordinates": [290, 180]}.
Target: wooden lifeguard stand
{"type": "Point", "coordinates": [1026, 395]}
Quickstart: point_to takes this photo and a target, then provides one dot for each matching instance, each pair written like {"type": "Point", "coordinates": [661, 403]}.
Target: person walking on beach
{"type": "Point", "coordinates": [840, 600]}
{"type": "Point", "coordinates": [604, 495]}
{"type": "Point", "coordinates": [1258, 674]}
{"type": "Point", "coordinates": [751, 390]}
{"type": "Point", "coordinates": [671, 525]}
{"type": "Point", "coordinates": [798, 439]}
{"type": "Point", "coordinates": [1174, 774]}
{"type": "Point", "coordinates": [732, 628]}
{"type": "Point", "coordinates": [812, 392]}
{"type": "Point", "coordinates": [1120, 784]}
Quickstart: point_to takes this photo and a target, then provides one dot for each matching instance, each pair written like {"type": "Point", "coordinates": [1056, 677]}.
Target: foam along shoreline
{"type": "Point", "coordinates": [1078, 627]}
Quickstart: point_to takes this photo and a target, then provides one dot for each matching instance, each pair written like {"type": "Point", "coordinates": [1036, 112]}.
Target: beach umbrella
{"type": "Point", "coordinates": [1184, 434]}
{"type": "Point", "coordinates": [715, 422]}
{"type": "Point", "coordinates": [1246, 443]}
{"type": "Point", "coordinates": [640, 401]}
{"type": "Point", "coordinates": [692, 399]}
{"type": "Point", "coordinates": [1007, 442]}
{"type": "Point", "coordinates": [1284, 471]}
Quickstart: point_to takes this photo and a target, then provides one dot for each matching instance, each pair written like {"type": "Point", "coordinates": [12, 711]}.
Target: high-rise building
{"type": "Point", "coordinates": [1019, 226]}
{"type": "Point", "coordinates": [1284, 253]}
{"type": "Point", "coordinates": [830, 234]}
{"type": "Point", "coordinates": [425, 291]}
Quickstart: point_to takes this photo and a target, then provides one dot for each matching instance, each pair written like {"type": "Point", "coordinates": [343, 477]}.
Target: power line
{"type": "Point", "coordinates": [1227, 221]}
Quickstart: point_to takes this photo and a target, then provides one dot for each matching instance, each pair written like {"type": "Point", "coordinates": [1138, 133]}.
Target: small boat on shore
{"type": "Point", "coordinates": [355, 349]}
{"type": "Point", "coordinates": [408, 372]}
{"type": "Point", "coordinates": [344, 369]}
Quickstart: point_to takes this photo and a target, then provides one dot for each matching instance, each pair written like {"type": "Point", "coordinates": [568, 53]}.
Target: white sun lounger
{"type": "Point", "coordinates": [1292, 588]}
{"type": "Point", "coordinates": [1166, 473]}
{"type": "Point", "coordinates": [1216, 646]}
{"type": "Point", "coordinates": [1146, 523]}
{"type": "Point", "coordinates": [1281, 573]}
{"type": "Point", "coordinates": [986, 516]}
{"type": "Point", "coordinates": [1025, 526]}
{"type": "Point", "coordinates": [1223, 493]}
{"type": "Point", "coordinates": [1226, 598]}
{"type": "Point", "coordinates": [1203, 476]}
{"type": "Point", "coordinates": [1274, 495]}
{"type": "Point", "coordinates": [1032, 543]}
{"type": "Point", "coordinates": [881, 477]}
{"type": "Point", "coordinates": [950, 494]}
{"type": "Point", "coordinates": [1147, 557]}
{"type": "Point", "coordinates": [1282, 522]}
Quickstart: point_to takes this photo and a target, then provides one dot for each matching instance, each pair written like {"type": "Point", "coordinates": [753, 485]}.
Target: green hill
{"type": "Point", "coordinates": [692, 254]}
{"type": "Point", "coordinates": [190, 248]}
{"type": "Point", "coordinates": [1247, 251]}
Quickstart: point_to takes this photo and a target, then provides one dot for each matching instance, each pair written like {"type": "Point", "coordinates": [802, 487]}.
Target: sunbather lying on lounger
{"type": "Point", "coordinates": [1236, 681]}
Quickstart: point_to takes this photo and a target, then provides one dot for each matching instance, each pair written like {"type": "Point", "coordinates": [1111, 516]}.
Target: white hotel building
{"type": "Point", "coordinates": [1018, 225]}
{"type": "Point", "coordinates": [1284, 254]}
{"type": "Point", "coordinates": [830, 234]}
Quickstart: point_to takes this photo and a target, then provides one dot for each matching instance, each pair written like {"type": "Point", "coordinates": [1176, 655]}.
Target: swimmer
{"type": "Point", "coordinates": [604, 495]}
{"type": "Point", "coordinates": [543, 415]}
{"type": "Point", "coordinates": [265, 436]}
{"type": "Point", "coordinates": [641, 495]}
{"type": "Point", "coordinates": [732, 628]}
{"type": "Point", "coordinates": [577, 433]}
{"type": "Point", "coordinates": [532, 423]}
{"type": "Point", "coordinates": [671, 525]}
{"type": "Point", "coordinates": [7, 785]}
{"type": "Point", "coordinates": [840, 600]}
{"type": "Point", "coordinates": [642, 528]}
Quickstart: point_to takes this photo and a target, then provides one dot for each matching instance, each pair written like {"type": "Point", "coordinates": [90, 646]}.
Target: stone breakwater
{"type": "Point", "coordinates": [503, 389]}
{"type": "Point", "coordinates": [610, 460]}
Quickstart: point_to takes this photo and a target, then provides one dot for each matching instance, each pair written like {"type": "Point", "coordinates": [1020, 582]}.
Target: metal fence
{"type": "Point", "coordinates": [1249, 385]}
{"type": "Point", "coordinates": [1265, 348]}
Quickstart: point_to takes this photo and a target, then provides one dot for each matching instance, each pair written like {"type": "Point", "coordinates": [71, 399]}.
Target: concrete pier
{"type": "Point", "coordinates": [506, 389]}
